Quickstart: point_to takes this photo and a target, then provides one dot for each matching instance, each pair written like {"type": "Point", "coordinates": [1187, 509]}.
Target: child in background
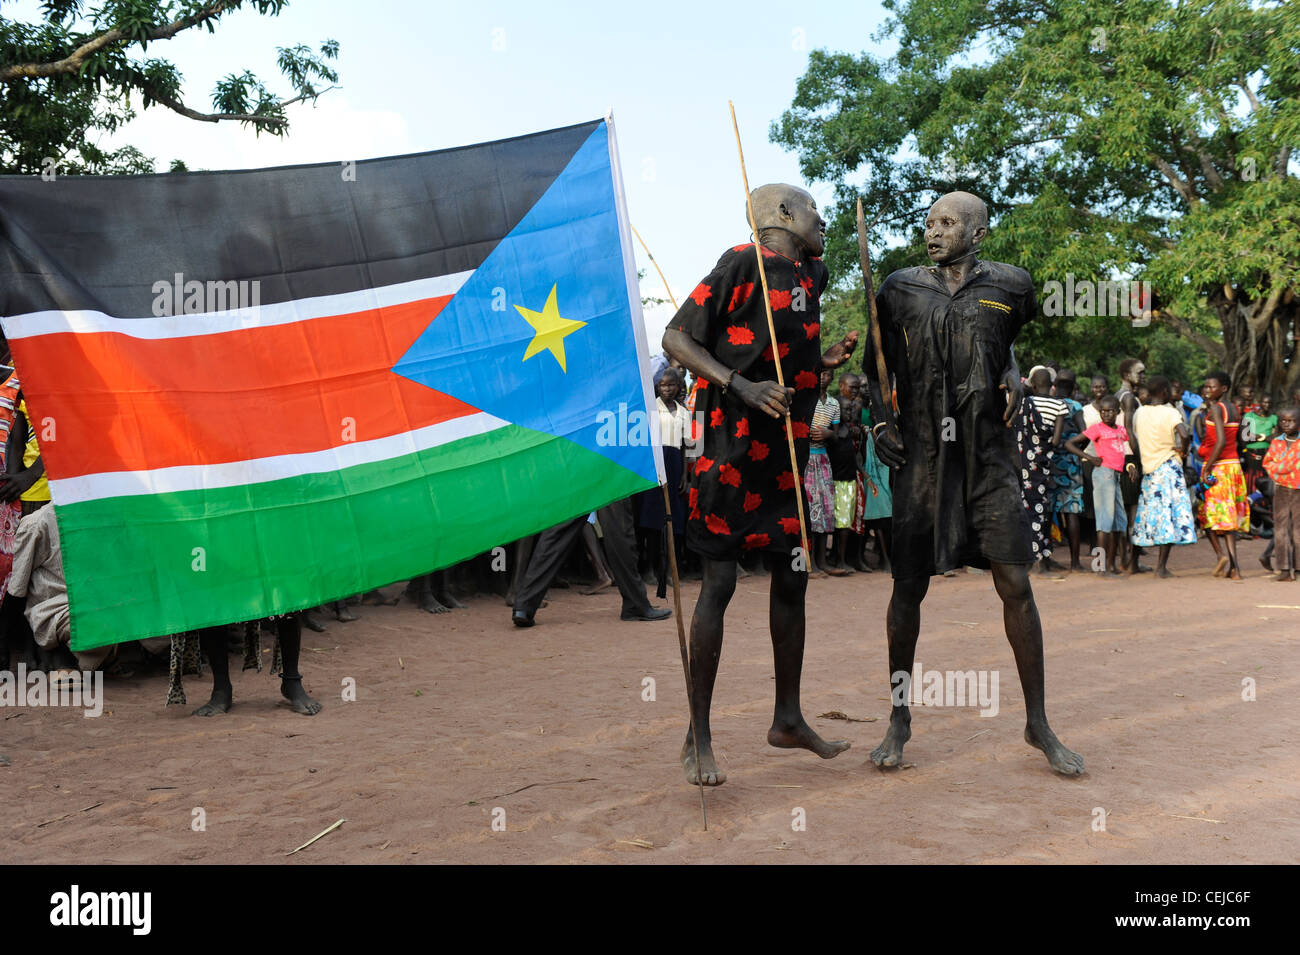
{"type": "Point", "coordinates": [1282, 464]}
{"type": "Point", "coordinates": [1109, 440]}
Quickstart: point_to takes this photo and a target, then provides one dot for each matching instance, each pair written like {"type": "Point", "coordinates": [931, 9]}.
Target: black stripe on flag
{"type": "Point", "coordinates": [102, 242]}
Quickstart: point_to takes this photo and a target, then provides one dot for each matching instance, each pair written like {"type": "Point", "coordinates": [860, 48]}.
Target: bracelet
{"type": "Point", "coordinates": [727, 384]}
{"type": "Point", "coordinates": [883, 424]}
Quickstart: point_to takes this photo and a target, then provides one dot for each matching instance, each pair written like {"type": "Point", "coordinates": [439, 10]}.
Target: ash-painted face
{"type": "Point", "coordinates": [953, 229]}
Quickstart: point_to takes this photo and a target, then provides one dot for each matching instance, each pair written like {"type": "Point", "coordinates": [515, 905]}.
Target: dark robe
{"type": "Point", "coordinates": [957, 499]}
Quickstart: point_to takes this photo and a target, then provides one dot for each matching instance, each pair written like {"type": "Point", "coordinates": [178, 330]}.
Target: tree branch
{"type": "Point", "coordinates": [1183, 327]}
{"type": "Point", "coordinates": [1181, 186]}
{"type": "Point", "coordinates": [1245, 88]}
{"type": "Point", "coordinates": [73, 61]}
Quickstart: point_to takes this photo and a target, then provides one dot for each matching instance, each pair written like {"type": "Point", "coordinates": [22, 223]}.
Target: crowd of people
{"type": "Point", "coordinates": [1147, 467]}
{"type": "Point", "coordinates": [1155, 465]}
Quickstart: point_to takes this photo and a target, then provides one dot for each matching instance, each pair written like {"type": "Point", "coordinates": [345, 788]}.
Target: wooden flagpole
{"type": "Point", "coordinates": [776, 348]}
{"type": "Point", "coordinates": [667, 288]}
{"type": "Point", "coordinates": [677, 596]}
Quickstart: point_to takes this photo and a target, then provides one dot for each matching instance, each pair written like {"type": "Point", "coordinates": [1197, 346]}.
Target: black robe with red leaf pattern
{"type": "Point", "coordinates": [742, 493]}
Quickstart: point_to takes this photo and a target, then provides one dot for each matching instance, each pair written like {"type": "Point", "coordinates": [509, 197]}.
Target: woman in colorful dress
{"type": "Point", "coordinates": [1225, 511]}
{"type": "Point", "coordinates": [1164, 513]}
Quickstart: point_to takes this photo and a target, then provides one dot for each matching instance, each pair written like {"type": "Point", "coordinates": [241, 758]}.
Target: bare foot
{"type": "Point", "coordinates": [1286, 575]}
{"type": "Point", "coordinates": [711, 775]}
{"type": "Point", "coordinates": [1221, 567]}
{"type": "Point", "coordinates": [1234, 574]}
{"type": "Point", "coordinates": [298, 699]}
{"type": "Point", "coordinates": [311, 623]}
{"type": "Point", "coordinates": [802, 736]}
{"type": "Point", "coordinates": [343, 614]}
{"type": "Point", "coordinates": [429, 603]}
{"type": "Point", "coordinates": [890, 751]}
{"type": "Point", "coordinates": [220, 702]}
{"type": "Point", "coordinates": [597, 587]}
{"type": "Point", "coordinates": [837, 571]}
{"type": "Point", "coordinates": [376, 598]}
{"type": "Point", "coordinates": [1163, 572]}
{"type": "Point", "coordinates": [451, 603]}
{"type": "Point", "coordinates": [1064, 761]}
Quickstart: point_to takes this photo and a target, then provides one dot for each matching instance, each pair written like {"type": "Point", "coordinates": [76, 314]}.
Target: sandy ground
{"type": "Point", "coordinates": [461, 720]}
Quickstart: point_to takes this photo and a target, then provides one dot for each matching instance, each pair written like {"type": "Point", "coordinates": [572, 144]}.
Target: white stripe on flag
{"type": "Point", "coordinates": [91, 487]}
{"type": "Point", "coordinates": [33, 324]}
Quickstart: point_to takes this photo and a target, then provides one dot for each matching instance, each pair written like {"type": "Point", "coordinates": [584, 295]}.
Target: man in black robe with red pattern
{"type": "Point", "coordinates": [742, 489]}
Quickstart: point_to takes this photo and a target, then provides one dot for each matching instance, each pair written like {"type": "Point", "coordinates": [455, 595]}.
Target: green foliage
{"type": "Point", "coordinates": [1111, 138]}
{"type": "Point", "coordinates": [81, 72]}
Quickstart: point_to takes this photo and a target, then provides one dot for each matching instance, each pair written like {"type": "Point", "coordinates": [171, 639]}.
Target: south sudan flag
{"type": "Point", "coordinates": [261, 390]}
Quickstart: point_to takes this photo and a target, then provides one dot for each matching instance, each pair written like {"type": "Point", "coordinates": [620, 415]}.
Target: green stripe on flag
{"type": "Point", "coordinates": [147, 565]}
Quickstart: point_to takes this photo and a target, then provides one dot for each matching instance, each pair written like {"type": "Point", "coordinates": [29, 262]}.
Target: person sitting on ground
{"type": "Point", "coordinates": [38, 589]}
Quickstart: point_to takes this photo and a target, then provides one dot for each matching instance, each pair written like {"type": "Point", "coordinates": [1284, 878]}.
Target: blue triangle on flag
{"type": "Point", "coordinates": [474, 349]}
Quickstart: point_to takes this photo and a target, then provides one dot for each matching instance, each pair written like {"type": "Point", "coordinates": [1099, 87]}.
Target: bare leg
{"type": "Point", "coordinates": [786, 616]}
{"type": "Point", "coordinates": [1221, 566]}
{"type": "Point", "coordinates": [1025, 633]}
{"type": "Point", "coordinates": [902, 627]}
{"type": "Point", "coordinates": [706, 649]}
{"type": "Point", "coordinates": [289, 630]}
{"type": "Point", "coordinates": [1072, 532]}
{"type": "Point", "coordinates": [1162, 562]}
{"type": "Point", "coordinates": [213, 642]}
{"type": "Point", "coordinates": [1230, 544]}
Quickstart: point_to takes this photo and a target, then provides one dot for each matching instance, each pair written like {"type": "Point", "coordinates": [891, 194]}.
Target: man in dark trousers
{"type": "Point", "coordinates": [947, 333]}
{"type": "Point", "coordinates": [618, 525]}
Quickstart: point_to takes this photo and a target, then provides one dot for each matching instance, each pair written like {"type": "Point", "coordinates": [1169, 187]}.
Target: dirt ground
{"type": "Point", "coordinates": [461, 721]}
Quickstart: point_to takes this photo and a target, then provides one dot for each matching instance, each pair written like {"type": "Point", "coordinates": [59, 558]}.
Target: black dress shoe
{"type": "Point", "coordinates": [654, 613]}
{"type": "Point", "coordinates": [521, 619]}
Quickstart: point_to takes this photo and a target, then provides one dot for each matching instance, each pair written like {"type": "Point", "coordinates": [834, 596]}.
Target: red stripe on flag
{"type": "Point", "coordinates": [111, 402]}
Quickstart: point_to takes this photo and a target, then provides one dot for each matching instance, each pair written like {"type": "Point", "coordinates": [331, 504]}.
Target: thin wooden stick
{"type": "Point", "coordinates": [317, 836]}
{"type": "Point", "coordinates": [667, 288]}
{"type": "Point", "coordinates": [776, 346]}
{"type": "Point", "coordinates": [686, 654]}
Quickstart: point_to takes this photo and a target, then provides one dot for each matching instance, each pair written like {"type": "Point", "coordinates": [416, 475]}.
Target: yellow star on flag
{"type": "Point", "coordinates": [550, 328]}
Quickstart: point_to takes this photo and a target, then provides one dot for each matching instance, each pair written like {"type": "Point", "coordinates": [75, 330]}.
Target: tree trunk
{"type": "Point", "coordinates": [1259, 339]}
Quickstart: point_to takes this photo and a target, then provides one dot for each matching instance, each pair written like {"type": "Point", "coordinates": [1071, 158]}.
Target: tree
{"type": "Point", "coordinates": [77, 73]}
{"type": "Point", "coordinates": [1113, 139]}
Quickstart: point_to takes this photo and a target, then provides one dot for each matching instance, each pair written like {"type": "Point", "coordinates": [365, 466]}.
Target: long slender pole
{"type": "Point", "coordinates": [776, 347]}
{"type": "Point", "coordinates": [667, 288]}
{"type": "Point", "coordinates": [677, 596]}
{"type": "Point", "coordinates": [882, 370]}
{"type": "Point", "coordinates": [681, 642]}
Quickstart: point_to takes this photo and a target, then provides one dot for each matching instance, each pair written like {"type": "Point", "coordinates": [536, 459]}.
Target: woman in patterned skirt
{"type": "Point", "coordinates": [1225, 511]}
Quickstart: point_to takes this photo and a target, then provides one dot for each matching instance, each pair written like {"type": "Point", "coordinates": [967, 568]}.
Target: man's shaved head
{"type": "Point", "coordinates": [781, 206]}
{"type": "Point", "coordinates": [767, 201]}
{"type": "Point", "coordinates": [971, 208]}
